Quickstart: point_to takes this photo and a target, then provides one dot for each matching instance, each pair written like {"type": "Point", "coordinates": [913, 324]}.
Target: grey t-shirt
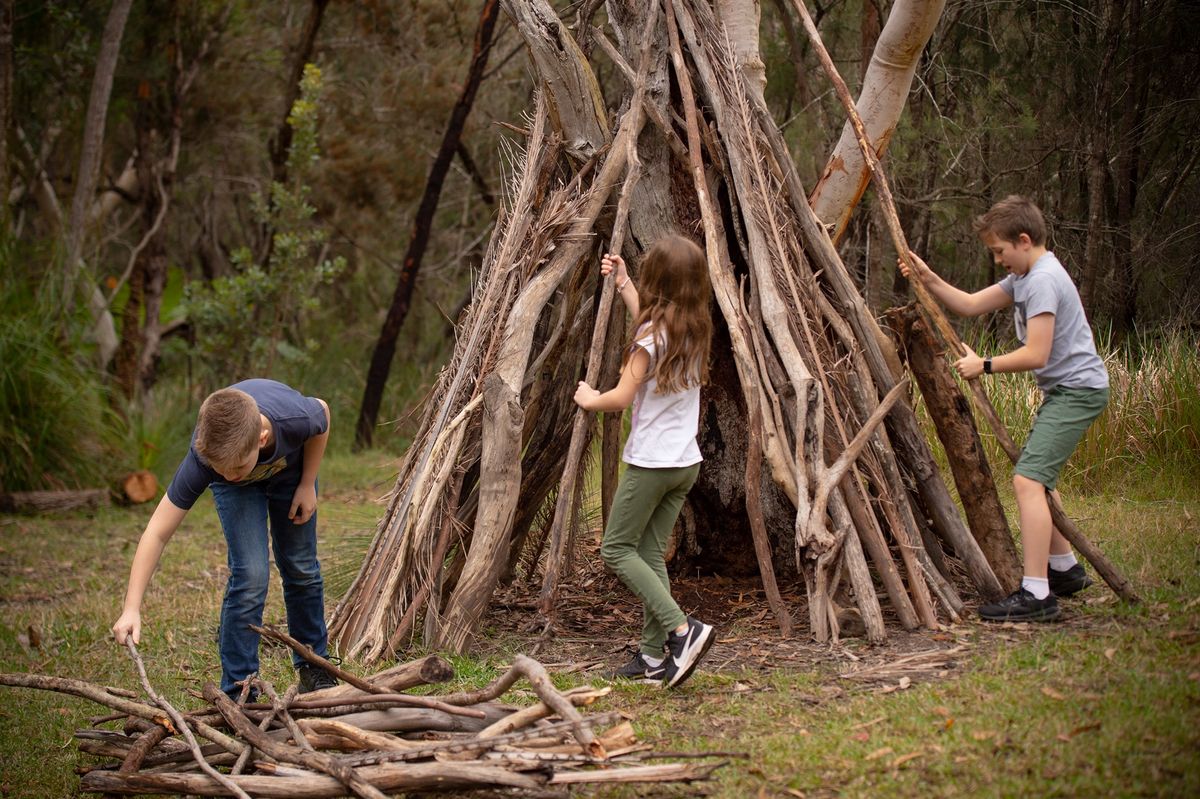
{"type": "Point", "coordinates": [1047, 288]}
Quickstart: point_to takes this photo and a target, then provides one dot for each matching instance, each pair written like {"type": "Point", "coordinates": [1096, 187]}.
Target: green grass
{"type": "Point", "coordinates": [1105, 705]}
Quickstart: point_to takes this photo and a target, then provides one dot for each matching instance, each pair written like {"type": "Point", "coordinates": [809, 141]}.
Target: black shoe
{"type": "Point", "coordinates": [1021, 605]}
{"type": "Point", "coordinates": [638, 670]}
{"type": "Point", "coordinates": [686, 651]}
{"type": "Point", "coordinates": [314, 678]}
{"type": "Point", "coordinates": [1070, 582]}
{"type": "Point", "coordinates": [251, 697]}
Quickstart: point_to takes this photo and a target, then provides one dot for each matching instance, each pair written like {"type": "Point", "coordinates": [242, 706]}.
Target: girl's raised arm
{"type": "Point", "coordinates": [624, 286]}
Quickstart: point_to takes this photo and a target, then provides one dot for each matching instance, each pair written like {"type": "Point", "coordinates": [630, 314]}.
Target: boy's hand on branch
{"type": "Point", "coordinates": [610, 263]}
{"type": "Point", "coordinates": [304, 503]}
{"type": "Point", "coordinates": [129, 625]}
{"type": "Point", "coordinates": [585, 395]}
{"type": "Point", "coordinates": [970, 366]}
{"type": "Point", "coordinates": [919, 269]}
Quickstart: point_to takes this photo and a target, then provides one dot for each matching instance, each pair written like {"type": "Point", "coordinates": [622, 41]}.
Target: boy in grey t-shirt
{"type": "Point", "coordinates": [1057, 346]}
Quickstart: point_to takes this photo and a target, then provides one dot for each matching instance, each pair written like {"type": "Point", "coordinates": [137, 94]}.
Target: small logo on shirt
{"type": "Point", "coordinates": [264, 470]}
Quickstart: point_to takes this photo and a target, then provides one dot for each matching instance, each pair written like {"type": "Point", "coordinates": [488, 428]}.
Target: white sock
{"type": "Point", "coordinates": [1038, 586]}
{"type": "Point", "coordinates": [1061, 563]}
{"type": "Point", "coordinates": [652, 662]}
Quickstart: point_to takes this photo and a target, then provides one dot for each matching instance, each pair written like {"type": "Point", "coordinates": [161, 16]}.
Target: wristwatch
{"type": "Point", "coordinates": [987, 366]}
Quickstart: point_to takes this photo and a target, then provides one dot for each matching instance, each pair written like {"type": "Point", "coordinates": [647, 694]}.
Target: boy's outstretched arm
{"type": "Point", "coordinates": [304, 501]}
{"type": "Point", "coordinates": [620, 397]}
{"type": "Point", "coordinates": [992, 298]}
{"type": "Point", "coordinates": [162, 525]}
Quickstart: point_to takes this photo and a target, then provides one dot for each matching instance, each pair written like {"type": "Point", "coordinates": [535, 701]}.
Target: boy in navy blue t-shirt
{"type": "Point", "coordinates": [258, 444]}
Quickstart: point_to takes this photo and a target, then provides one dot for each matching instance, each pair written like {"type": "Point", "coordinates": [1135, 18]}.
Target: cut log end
{"type": "Point", "coordinates": [138, 487]}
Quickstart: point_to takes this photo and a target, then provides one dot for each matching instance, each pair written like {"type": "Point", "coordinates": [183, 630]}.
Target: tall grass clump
{"type": "Point", "coordinates": [56, 426]}
{"type": "Point", "coordinates": [1151, 424]}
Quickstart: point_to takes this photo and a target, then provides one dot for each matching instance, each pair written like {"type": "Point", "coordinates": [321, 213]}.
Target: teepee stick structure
{"type": "Point", "coordinates": [832, 453]}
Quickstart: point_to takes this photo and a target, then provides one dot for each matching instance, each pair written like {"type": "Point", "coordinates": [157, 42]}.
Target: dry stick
{"type": "Point", "coordinates": [308, 654]}
{"type": "Point", "coordinates": [581, 426]}
{"type": "Point", "coordinates": [356, 736]}
{"type": "Point", "coordinates": [1116, 581]}
{"type": "Point", "coordinates": [180, 723]}
{"type": "Point", "coordinates": [652, 110]}
{"type": "Point", "coordinates": [439, 555]}
{"type": "Point", "coordinates": [318, 761]}
{"type": "Point", "coordinates": [583, 695]}
{"type": "Point", "coordinates": [100, 695]}
{"type": "Point", "coordinates": [758, 526]}
{"type": "Point", "coordinates": [833, 475]}
{"type": "Point", "coordinates": [137, 753]}
{"type": "Point", "coordinates": [811, 530]}
{"type": "Point", "coordinates": [286, 783]}
{"type": "Point", "coordinates": [248, 752]}
{"type": "Point", "coordinates": [378, 693]}
{"type": "Point", "coordinates": [535, 673]}
{"type": "Point", "coordinates": [279, 707]}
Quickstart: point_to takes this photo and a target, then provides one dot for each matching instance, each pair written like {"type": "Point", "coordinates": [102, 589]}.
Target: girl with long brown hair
{"type": "Point", "coordinates": [664, 366]}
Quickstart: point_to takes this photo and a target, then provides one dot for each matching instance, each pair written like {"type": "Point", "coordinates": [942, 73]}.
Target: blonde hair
{"type": "Point", "coordinates": [1011, 217]}
{"type": "Point", "coordinates": [674, 293]}
{"type": "Point", "coordinates": [228, 428]}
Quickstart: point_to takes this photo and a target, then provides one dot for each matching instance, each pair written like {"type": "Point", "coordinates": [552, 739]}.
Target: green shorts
{"type": "Point", "coordinates": [1061, 422]}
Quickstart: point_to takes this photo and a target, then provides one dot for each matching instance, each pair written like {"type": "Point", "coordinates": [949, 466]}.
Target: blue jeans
{"type": "Point", "coordinates": [244, 511]}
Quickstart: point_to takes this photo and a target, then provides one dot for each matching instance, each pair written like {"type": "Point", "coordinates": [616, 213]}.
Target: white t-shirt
{"type": "Point", "coordinates": [663, 432]}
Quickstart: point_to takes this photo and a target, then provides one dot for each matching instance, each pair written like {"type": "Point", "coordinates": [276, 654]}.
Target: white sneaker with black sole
{"type": "Point", "coordinates": [687, 650]}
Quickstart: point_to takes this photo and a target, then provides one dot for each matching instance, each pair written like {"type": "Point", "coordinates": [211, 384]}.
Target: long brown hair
{"type": "Point", "coordinates": [674, 294]}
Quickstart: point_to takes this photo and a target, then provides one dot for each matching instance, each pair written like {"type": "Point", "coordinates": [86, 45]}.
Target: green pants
{"type": "Point", "coordinates": [1061, 421]}
{"type": "Point", "coordinates": [643, 514]}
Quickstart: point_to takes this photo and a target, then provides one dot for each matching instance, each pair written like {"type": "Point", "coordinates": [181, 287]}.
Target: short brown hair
{"type": "Point", "coordinates": [1011, 217]}
{"type": "Point", "coordinates": [228, 428]}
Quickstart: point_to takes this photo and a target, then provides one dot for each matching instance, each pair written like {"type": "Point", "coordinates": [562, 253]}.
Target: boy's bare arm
{"type": "Point", "coordinates": [620, 397]}
{"type": "Point", "coordinates": [304, 501]}
{"type": "Point", "coordinates": [162, 525]}
{"type": "Point", "coordinates": [992, 298]}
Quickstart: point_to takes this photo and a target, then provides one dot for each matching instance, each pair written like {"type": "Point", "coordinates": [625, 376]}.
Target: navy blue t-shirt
{"type": "Point", "coordinates": [294, 419]}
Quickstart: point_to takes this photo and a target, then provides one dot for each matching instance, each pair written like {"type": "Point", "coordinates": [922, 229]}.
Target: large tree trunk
{"type": "Point", "coordinates": [6, 88]}
{"type": "Point", "coordinates": [385, 346]}
{"type": "Point", "coordinates": [951, 413]}
{"type": "Point", "coordinates": [884, 92]}
{"type": "Point", "coordinates": [89, 167]}
{"type": "Point", "coordinates": [158, 127]}
{"type": "Point", "coordinates": [1096, 253]}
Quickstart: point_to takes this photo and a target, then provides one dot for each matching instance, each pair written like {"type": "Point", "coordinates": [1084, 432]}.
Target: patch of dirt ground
{"type": "Point", "coordinates": [598, 625]}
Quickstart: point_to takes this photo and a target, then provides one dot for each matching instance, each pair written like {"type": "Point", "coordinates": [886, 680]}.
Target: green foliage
{"type": "Point", "coordinates": [247, 321]}
{"type": "Point", "coordinates": [56, 427]}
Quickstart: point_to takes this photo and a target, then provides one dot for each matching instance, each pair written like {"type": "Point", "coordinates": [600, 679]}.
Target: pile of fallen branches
{"type": "Point", "coordinates": [366, 738]}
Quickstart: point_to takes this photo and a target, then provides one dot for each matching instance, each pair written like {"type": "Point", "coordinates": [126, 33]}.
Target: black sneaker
{"type": "Point", "coordinates": [314, 678]}
{"type": "Point", "coordinates": [1070, 582]}
{"type": "Point", "coordinates": [1021, 605]}
{"type": "Point", "coordinates": [638, 670]}
{"type": "Point", "coordinates": [685, 651]}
